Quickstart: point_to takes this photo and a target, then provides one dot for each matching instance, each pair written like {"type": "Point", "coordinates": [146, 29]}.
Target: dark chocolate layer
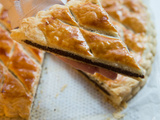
{"type": "Point", "coordinates": [93, 81]}
{"type": "Point", "coordinates": [85, 60]}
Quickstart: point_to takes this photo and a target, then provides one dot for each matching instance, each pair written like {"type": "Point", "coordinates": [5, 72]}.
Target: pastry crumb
{"type": "Point", "coordinates": [63, 88]}
{"type": "Point", "coordinates": [118, 115]}
{"type": "Point", "coordinates": [108, 119]}
{"type": "Point", "coordinates": [45, 68]}
{"type": "Point", "coordinates": [57, 95]}
{"type": "Point", "coordinates": [41, 91]}
{"type": "Point", "coordinates": [38, 106]}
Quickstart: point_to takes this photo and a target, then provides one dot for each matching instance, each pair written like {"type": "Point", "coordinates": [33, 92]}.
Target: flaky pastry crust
{"type": "Point", "coordinates": [140, 41]}
{"type": "Point", "coordinates": [20, 68]}
{"type": "Point", "coordinates": [90, 38]}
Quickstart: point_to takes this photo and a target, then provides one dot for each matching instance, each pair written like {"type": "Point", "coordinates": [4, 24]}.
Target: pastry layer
{"type": "Point", "coordinates": [85, 60]}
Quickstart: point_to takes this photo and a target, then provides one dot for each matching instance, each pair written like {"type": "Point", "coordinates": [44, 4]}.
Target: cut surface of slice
{"type": "Point", "coordinates": [53, 33]}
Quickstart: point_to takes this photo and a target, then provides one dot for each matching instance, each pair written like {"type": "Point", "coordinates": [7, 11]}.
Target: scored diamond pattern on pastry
{"type": "Point", "coordinates": [20, 68]}
{"type": "Point", "coordinates": [89, 38]}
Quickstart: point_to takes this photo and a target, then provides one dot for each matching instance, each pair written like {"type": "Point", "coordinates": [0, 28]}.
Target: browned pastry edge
{"type": "Point", "coordinates": [79, 58]}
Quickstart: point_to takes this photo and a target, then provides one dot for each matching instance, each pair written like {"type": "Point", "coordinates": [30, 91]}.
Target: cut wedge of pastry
{"type": "Point", "coordinates": [80, 31]}
{"type": "Point", "coordinates": [20, 70]}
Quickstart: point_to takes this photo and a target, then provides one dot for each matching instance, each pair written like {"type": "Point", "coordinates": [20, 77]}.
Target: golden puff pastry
{"type": "Point", "coordinates": [139, 36]}
{"type": "Point", "coordinates": [85, 34]}
{"type": "Point", "coordinates": [20, 69]}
